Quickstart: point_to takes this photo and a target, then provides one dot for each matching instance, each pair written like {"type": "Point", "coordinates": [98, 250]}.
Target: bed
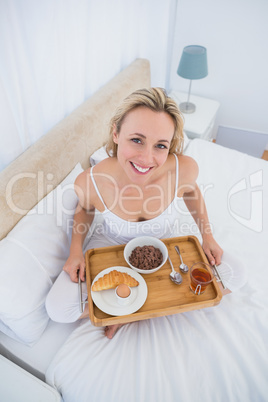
{"type": "Point", "coordinates": [214, 354]}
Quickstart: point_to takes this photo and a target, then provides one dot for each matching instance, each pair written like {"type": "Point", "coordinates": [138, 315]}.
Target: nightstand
{"type": "Point", "coordinates": [199, 124]}
{"type": "Point", "coordinates": [16, 384]}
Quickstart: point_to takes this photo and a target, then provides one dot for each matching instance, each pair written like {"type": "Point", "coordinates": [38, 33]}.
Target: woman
{"type": "Point", "coordinates": [135, 190]}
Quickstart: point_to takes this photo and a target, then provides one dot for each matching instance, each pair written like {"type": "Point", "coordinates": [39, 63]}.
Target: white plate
{"type": "Point", "coordinates": [106, 300]}
{"type": "Point", "coordinates": [232, 271]}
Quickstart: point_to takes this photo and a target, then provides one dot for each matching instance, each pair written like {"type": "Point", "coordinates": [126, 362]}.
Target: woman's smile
{"type": "Point", "coordinates": [140, 169]}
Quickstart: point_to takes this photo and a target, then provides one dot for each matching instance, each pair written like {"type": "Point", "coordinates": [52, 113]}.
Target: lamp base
{"type": "Point", "coordinates": [187, 107]}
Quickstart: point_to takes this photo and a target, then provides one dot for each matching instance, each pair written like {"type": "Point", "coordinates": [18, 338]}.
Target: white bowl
{"type": "Point", "coordinates": [145, 241]}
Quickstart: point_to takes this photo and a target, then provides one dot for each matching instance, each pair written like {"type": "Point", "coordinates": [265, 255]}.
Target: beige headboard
{"type": "Point", "coordinates": [46, 163]}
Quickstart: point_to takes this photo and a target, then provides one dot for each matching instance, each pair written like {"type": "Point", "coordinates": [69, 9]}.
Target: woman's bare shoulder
{"type": "Point", "coordinates": [188, 171]}
{"type": "Point", "coordinates": [188, 163]}
{"type": "Point", "coordinates": [103, 166]}
{"type": "Point", "coordinates": [186, 159]}
{"type": "Point", "coordinates": [82, 178]}
{"type": "Point", "coordinates": [85, 187]}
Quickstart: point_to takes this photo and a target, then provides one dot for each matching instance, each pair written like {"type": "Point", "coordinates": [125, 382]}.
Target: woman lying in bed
{"type": "Point", "coordinates": [136, 191]}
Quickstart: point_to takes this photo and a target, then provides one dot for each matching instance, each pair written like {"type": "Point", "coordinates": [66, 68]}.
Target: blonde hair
{"type": "Point", "coordinates": [155, 99]}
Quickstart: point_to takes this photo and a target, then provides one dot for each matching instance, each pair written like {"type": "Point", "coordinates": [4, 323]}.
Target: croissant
{"type": "Point", "coordinates": [112, 280]}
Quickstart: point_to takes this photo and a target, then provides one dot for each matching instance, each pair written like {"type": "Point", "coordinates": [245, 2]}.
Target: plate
{"type": "Point", "coordinates": [232, 271]}
{"type": "Point", "coordinates": [106, 300]}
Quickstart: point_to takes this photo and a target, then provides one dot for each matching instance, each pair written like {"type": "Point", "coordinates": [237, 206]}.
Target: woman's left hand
{"type": "Point", "coordinates": [212, 250]}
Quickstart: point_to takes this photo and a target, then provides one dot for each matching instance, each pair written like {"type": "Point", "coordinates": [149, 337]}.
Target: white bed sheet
{"type": "Point", "coordinates": [36, 359]}
{"type": "Point", "coordinates": [213, 354]}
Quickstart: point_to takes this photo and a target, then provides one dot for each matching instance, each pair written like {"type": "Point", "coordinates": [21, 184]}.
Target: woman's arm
{"type": "Point", "coordinates": [196, 206]}
{"type": "Point", "coordinates": [83, 217]}
{"type": "Point", "coordinates": [76, 260]}
{"type": "Point", "coordinates": [195, 203]}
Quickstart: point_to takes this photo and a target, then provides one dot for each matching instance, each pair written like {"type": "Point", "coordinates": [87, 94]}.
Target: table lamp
{"type": "Point", "coordinates": [193, 66]}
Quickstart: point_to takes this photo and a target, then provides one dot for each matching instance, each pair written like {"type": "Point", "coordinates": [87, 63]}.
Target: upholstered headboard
{"type": "Point", "coordinates": [46, 163]}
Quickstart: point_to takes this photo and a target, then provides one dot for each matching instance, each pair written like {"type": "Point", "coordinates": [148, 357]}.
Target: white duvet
{"type": "Point", "coordinates": [213, 354]}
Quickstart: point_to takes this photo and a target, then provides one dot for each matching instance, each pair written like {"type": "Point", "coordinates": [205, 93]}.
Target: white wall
{"type": "Point", "coordinates": [54, 54]}
{"type": "Point", "coordinates": [235, 33]}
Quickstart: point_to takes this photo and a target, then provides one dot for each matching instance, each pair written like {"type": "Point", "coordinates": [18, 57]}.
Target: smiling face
{"type": "Point", "coordinates": [143, 142]}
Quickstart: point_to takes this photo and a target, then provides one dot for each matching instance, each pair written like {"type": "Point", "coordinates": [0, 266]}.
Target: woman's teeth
{"type": "Point", "coordinates": [140, 169]}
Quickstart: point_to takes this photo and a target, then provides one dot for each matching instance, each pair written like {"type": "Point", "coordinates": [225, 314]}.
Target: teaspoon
{"type": "Point", "coordinates": [183, 267]}
{"type": "Point", "coordinates": [174, 275]}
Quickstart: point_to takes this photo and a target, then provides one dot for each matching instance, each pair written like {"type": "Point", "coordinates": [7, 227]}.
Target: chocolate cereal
{"type": "Point", "coordinates": [146, 257]}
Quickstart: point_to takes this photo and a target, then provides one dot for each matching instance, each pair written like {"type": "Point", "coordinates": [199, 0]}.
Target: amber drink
{"type": "Point", "coordinates": [201, 276]}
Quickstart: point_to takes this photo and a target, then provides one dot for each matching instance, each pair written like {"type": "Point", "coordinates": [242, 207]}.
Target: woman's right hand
{"type": "Point", "coordinates": [74, 266]}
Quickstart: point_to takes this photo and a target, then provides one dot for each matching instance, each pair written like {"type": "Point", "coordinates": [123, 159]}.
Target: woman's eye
{"type": "Point", "coordinates": [161, 146]}
{"type": "Point", "coordinates": [136, 140]}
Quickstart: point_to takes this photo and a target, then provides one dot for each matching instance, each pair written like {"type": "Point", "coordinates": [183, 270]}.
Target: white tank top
{"type": "Point", "coordinates": [122, 230]}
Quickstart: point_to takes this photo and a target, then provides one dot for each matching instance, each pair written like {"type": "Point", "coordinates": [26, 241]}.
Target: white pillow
{"type": "Point", "coordinates": [31, 257]}
{"type": "Point", "coordinates": [186, 141]}
{"type": "Point", "coordinates": [98, 156]}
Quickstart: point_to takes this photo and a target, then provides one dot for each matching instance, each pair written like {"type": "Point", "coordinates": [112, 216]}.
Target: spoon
{"type": "Point", "coordinates": [174, 275]}
{"type": "Point", "coordinates": [183, 267]}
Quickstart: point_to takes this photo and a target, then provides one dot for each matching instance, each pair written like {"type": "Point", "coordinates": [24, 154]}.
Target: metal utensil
{"type": "Point", "coordinates": [219, 276]}
{"type": "Point", "coordinates": [183, 267]}
{"type": "Point", "coordinates": [174, 275]}
{"type": "Point", "coordinates": [80, 298]}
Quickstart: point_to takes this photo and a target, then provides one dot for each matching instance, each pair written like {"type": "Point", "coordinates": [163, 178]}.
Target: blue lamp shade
{"type": "Point", "coordinates": [193, 64]}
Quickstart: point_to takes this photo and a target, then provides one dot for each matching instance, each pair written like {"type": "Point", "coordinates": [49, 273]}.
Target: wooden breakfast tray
{"type": "Point", "coordinates": [164, 297]}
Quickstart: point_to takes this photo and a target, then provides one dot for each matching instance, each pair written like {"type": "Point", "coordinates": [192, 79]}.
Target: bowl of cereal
{"type": "Point", "coordinates": [145, 254]}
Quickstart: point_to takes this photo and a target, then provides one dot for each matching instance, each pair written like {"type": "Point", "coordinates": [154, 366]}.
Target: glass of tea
{"type": "Point", "coordinates": [201, 276]}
